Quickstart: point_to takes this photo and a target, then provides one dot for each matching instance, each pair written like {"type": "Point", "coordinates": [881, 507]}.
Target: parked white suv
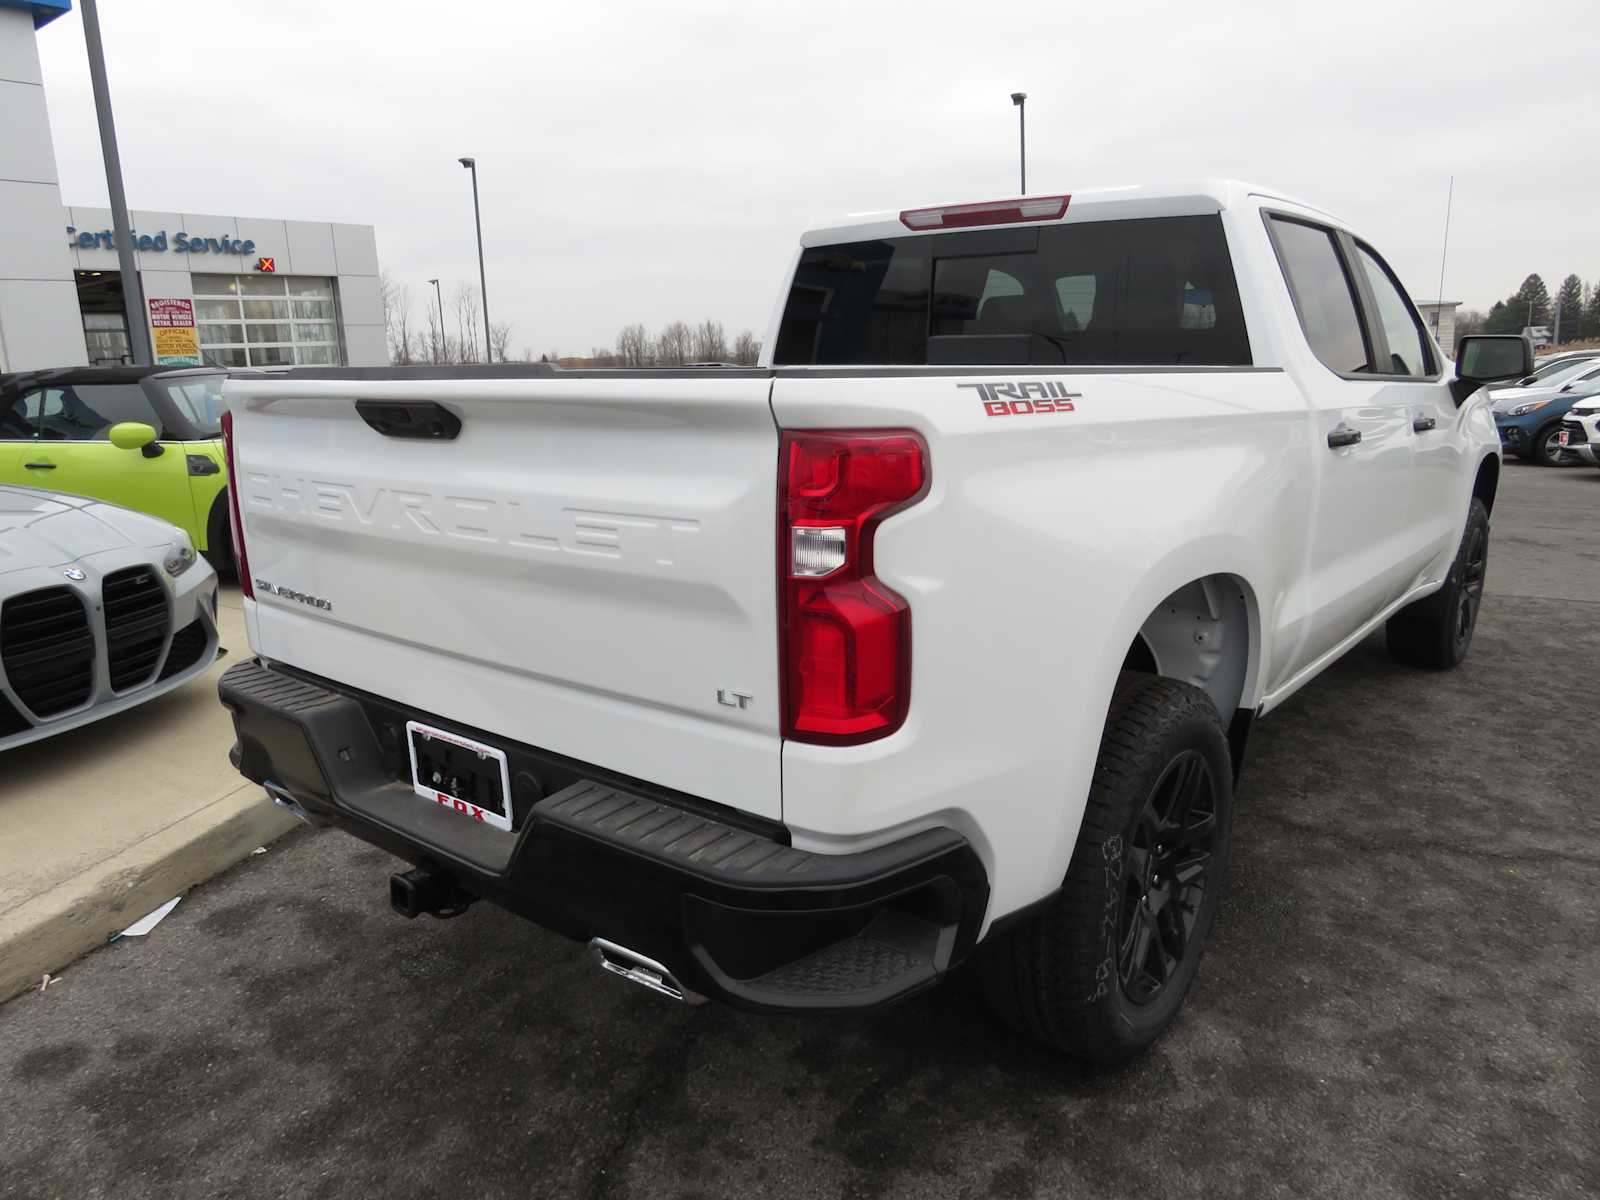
{"type": "Point", "coordinates": [940, 632]}
{"type": "Point", "coordinates": [1580, 430]}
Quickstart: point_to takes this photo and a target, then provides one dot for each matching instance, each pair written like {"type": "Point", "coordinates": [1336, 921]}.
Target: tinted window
{"type": "Point", "coordinates": [1157, 291]}
{"type": "Point", "coordinates": [1322, 294]}
{"type": "Point", "coordinates": [86, 411]}
{"type": "Point", "coordinates": [20, 416]}
{"type": "Point", "coordinates": [199, 399]}
{"type": "Point", "coordinates": [1408, 353]}
{"type": "Point", "coordinates": [866, 302]}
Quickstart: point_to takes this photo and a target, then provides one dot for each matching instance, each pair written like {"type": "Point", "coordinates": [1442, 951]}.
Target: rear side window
{"type": "Point", "coordinates": [1323, 294]}
{"type": "Point", "coordinates": [199, 399]}
{"type": "Point", "coordinates": [1159, 291]}
{"type": "Point", "coordinates": [1408, 351]}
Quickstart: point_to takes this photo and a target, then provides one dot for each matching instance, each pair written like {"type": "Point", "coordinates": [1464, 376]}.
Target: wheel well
{"type": "Point", "coordinates": [1199, 634]}
{"type": "Point", "coordinates": [1140, 657]}
{"type": "Point", "coordinates": [1487, 483]}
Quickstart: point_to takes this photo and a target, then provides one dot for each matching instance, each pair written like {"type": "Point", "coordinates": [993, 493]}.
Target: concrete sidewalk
{"type": "Point", "coordinates": [102, 824]}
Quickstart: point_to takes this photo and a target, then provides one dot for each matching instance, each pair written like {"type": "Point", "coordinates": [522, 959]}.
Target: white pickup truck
{"type": "Point", "coordinates": [936, 637]}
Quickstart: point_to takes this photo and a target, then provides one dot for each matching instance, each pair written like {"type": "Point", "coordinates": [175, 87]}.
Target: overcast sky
{"type": "Point", "coordinates": [645, 161]}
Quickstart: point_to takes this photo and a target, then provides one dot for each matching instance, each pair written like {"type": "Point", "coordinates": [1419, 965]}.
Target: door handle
{"type": "Point", "coordinates": [1343, 436]}
{"type": "Point", "coordinates": [1423, 424]}
{"type": "Point", "coordinates": [40, 466]}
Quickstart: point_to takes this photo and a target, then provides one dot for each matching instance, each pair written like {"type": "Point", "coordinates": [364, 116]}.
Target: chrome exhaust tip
{"type": "Point", "coordinates": [285, 801]}
{"type": "Point", "coordinates": [636, 968]}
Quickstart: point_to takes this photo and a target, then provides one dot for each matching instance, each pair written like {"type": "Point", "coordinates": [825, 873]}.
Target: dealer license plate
{"type": "Point", "coordinates": [460, 774]}
{"type": "Point", "coordinates": [1561, 438]}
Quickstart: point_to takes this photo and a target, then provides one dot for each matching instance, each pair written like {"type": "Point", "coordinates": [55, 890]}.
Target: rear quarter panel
{"type": "Point", "coordinates": [1044, 542]}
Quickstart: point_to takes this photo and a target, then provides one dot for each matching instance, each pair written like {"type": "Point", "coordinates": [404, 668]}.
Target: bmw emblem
{"type": "Point", "coordinates": [74, 574]}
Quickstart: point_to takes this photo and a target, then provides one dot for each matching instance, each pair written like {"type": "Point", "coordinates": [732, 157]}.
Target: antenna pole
{"type": "Point", "coordinates": [1449, 199]}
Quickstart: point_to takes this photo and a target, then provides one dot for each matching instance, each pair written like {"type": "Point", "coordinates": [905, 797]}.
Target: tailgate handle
{"type": "Point", "coordinates": [422, 419]}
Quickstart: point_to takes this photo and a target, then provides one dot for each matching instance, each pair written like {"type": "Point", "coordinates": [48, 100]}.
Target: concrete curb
{"type": "Point", "coordinates": [49, 931]}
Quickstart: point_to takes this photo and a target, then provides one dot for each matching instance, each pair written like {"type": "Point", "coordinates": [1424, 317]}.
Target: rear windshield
{"type": "Point", "coordinates": [1144, 292]}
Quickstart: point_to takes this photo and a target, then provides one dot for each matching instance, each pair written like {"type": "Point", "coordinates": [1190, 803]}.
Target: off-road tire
{"type": "Point", "coordinates": [1436, 631]}
{"type": "Point", "coordinates": [1058, 977]}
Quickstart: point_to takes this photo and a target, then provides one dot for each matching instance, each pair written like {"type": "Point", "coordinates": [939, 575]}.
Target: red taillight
{"type": "Point", "coordinates": [987, 212]}
{"type": "Point", "coordinates": [846, 636]}
{"type": "Point", "coordinates": [241, 564]}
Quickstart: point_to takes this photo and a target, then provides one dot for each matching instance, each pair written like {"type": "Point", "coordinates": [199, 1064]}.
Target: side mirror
{"type": "Point", "coordinates": [1492, 357]}
{"type": "Point", "coordinates": [135, 435]}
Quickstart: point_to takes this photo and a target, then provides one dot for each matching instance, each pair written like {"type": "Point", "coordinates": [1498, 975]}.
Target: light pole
{"type": "Point", "coordinates": [471, 164]}
{"type": "Point", "coordinates": [1020, 99]}
{"type": "Point", "coordinates": [132, 293]}
{"type": "Point", "coordinates": [438, 349]}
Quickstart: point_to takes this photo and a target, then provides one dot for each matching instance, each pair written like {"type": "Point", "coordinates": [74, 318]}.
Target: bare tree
{"type": "Point", "coordinates": [469, 342]}
{"type": "Point", "coordinates": [402, 343]}
{"type": "Point", "coordinates": [603, 356]}
{"type": "Point", "coordinates": [710, 343]}
{"type": "Point", "coordinates": [633, 346]}
{"type": "Point", "coordinates": [675, 346]}
{"type": "Point", "coordinates": [500, 340]}
{"type": "Point", "coordinates": [746, 349]}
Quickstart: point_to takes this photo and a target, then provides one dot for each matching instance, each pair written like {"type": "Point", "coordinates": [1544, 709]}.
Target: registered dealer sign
{"type": "Point", "coordinates": [172, 332]}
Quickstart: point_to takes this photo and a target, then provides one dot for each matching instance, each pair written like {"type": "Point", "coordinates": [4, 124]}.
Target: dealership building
{"type": "Point", "coordinates": [223, 290]}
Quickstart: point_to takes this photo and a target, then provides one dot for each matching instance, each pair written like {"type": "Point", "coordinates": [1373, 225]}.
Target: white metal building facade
{"type": "Point", "coordinates": [251, 291]}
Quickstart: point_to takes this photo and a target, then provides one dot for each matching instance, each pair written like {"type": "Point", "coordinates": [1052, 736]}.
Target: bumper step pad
{"type": "Point", "coordinates": [734, 909]}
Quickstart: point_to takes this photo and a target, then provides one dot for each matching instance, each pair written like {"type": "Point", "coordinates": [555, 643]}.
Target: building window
{"type": "Point", "coordinates": [266, 320]}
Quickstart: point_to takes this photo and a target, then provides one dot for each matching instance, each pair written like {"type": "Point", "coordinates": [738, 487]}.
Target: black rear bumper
{"type": "Point", "coordinates": [722, 900]}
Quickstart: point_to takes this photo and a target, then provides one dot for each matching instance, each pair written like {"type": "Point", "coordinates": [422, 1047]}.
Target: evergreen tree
{"type": "Point", "coordinates": [1531, 304]}
{"type": "Point", "coordinates": [1570, 297]}
{"type": "Point", "coordinates": [1589, 327]}
{"type": "Point", "coordinates": [1528, 305]}
{"type": "Point", "coordinates": [1501, 319]}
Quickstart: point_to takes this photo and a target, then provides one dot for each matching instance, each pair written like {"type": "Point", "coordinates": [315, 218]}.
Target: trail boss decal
{"type": "Point", "coordinates": [1025, 397]}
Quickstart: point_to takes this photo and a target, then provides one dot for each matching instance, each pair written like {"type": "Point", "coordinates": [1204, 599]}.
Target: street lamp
{"type": "Point", "coordinates": [471, 164]}
{"type": "Point", "coordinates": [132, 292]}
{"type": "Point", "coordinates": [1020, 99]}
{"type": "Point", "coordinates": [438, 348]}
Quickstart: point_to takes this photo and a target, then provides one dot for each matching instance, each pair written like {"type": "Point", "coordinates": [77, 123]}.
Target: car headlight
{"type": "Point", "coordinates": [180, 557]}
{"type": "Point", "coordinates": [1534, 406]}
{"type": "Point", "coordinates": [1585, 412]}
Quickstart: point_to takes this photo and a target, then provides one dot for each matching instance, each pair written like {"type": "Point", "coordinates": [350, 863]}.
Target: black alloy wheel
{"type": "Point", "coordinates": [1471, 591]}
{"type": "Point", "coordinates": [1166, 873]}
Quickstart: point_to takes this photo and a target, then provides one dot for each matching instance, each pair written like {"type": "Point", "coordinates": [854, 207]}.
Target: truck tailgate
{"type": "Point", "coordinates": [587, 567]}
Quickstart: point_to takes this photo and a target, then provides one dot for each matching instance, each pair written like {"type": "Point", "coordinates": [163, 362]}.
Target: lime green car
{"type": "Point", "coordinates": [147, 438]}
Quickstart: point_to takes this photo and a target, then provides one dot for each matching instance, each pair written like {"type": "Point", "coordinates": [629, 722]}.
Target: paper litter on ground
{"type": "Point", "coordinates": [146, 923]}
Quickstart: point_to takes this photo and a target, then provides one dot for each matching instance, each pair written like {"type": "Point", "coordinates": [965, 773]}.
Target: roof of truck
{"type": "Point", "coordinates": [1186, 197]}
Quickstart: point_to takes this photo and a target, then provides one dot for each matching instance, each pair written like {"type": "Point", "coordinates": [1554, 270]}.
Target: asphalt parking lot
{"type": "Point", "coordinates": [1403, 997]}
